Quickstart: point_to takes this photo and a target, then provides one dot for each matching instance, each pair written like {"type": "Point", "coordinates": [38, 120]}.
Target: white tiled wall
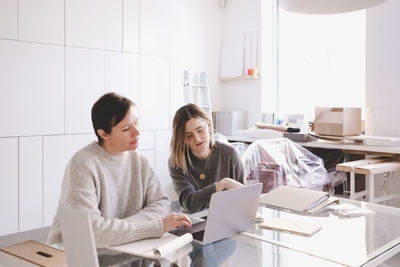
{"type": "Point", "coordinates": [57, 150]}
{"type": "Point", "coordinates": [9, 185]}
{"type": "Point", "coordinates": [131, 26]}
{"type": "Point", "coordinates": [8, 19]}
{"type": "Point", "coordinates": [32, 86]}
{"type": "Point", "coordinates": [84, 84]}
{"type": "Point", "coordinates": [94, 24]}
{"type": "Point", "coordinates": [161, 162]}
{"type": "Point", "coordinates": [155, 27]}
{"type": "Point", "coordinates": [30, 183]}
{"type": "Point", "coordinates": [122, 74]}
{"type": "Point", "coordinates": [56, 58]}
{"type": "Point", "coordinates": [41, 21]}
{"type": "Point", "coordinates": [154, 85]}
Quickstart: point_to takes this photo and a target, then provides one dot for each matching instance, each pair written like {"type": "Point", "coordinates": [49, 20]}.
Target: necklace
{"type": "Point", "coordinates": [202, 175]}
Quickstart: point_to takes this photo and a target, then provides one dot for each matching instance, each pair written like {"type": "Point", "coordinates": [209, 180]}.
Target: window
{"type": "Point", "coordinates": [321, 61]}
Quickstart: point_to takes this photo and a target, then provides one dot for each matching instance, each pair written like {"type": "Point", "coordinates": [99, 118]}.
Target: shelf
{"type": "Point", "coordinates": [240, 78]}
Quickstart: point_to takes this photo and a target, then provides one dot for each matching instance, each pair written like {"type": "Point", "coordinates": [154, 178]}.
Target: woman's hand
{"type": "Point", "coordinates": [175, 220]}
{"type": "Point", "coordinates": [227, 183]}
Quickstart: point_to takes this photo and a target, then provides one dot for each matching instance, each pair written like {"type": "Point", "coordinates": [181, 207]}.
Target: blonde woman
{"type": "Point", "coordinates": [198, 165]}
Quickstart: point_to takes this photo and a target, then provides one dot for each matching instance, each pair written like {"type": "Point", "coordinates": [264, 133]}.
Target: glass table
{"type": "Point", "coordinates": [365, 240]}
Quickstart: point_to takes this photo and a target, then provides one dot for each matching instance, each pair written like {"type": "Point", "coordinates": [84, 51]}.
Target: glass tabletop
{"type": "Point", "coordinates": [342, 241]}
{"type": "Point", "coordinates": [345, 240]}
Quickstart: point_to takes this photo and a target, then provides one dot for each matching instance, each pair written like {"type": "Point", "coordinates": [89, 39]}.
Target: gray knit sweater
{"type": "Point", "coordinates": [195, 193]}
{"type": "Point", "coordinates": [121, 193]}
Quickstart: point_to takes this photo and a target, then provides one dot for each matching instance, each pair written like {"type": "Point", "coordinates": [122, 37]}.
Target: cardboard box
{"type": "Point", "coordinates": [38, 254]}
{"type": "Point", "coordinates": [337, 121]}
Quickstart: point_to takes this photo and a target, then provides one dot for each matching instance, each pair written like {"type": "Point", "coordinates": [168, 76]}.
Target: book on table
{"type": "Point", "coordinates": [296, 226]}
{"type": "Point", "coordinates": [298, 199]}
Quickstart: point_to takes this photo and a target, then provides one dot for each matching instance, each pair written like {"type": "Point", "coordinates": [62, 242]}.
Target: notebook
{"type": "Point", "coordinates": [290, 225]}
{"type": "Point", "coordinates": [230, 212]}
{"type": "Point", "coordinates": [294, 198]}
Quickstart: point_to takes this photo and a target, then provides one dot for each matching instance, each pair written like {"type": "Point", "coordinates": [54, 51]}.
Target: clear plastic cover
{"type": "Point", "coordinates": [280, 161]}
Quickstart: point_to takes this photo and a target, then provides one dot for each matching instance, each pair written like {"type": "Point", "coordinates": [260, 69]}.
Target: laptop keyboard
{"type": "Point", "coordinates": [198, 235]}
{"type": "Point", "coordinates": [197, 230]}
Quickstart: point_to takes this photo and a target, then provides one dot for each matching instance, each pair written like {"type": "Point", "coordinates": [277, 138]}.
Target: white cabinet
{"type": "Point", "coordinates": [162, 152]}
{"type": "Point", "coordinates": [8, 185]}
{"type": "Point", "coordinates": [146, 140]}
{"type": "Point", "coordinates": [32, 78]}
{"type": "Point", "coordinates": [154, 92]}
{"type": "Point", "coordinates": [84, 84]}
{"type": "Point", "coordinates": [41, 21]}
{"type": "Point", "coordinates": [9, 19]}
{"type": "Point", "coordinates": [122, 74]}
{"type": "Point", "coordinates": [155, 27]}
{"type": "Point", "coordinates": [30, 183]}
{"type": "Point", "coordinates": [94, 24]}
{"type": "Point", "coordinates": [149, 154]}
{"type": "Point", "coordinates": [131, 26]}
{"type": "Point", "coordinates": [57, 150]}
{"type": "Point", "coordinates": [176, 87]}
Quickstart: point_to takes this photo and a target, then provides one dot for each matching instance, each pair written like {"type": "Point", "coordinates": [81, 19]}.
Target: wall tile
{"type": "Point", "coordinates": [84, 84]}
{"type": "Point", "coordinates": [149, 154]}
{"type": "Point", "coordinates": [154, 92]}
{"type": "Point", "coordinates": [176, 85]}
{"type": "Point", "coordinates": [41, 21]}
{"type": "Point", "coordinates": [122, 74]}
{"type": "Point", "coordinates": [8, 185]}
{"type": "Point", "coordinates": [30, 183]}
{"type": "Point", "coordinates": [178, 37]}
{"type": "Point", "coordinates": [94, 24]}
{"type": "Point", "coordinates": [155, 27]}
{"type": "Point", "coordinates": [9, 19]}
{"type": "Point", "coordinates": [131, 26]}
{"type": "Point", "coordinates": [146, 140]}
{"type": "Point", "coordinates": [57, 151]}
{"type": "Point", "coordinates": [162, 152]}
{"type": "Point", "coordinates": [32, 86]}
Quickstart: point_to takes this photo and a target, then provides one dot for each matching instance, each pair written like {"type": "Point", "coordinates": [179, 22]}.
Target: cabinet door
{"type": "Point", "coordinates": [163, 139]}
{"type": "Point", "coordinates": [8, 185]}
{"type": "Point", "coordinates": [57, 150]}
{"type": "Point", "coordinates": [30, 183]}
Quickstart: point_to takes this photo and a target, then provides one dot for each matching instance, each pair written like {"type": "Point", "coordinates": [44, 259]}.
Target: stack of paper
{"type": "Point", "coordinates": [298, 199]}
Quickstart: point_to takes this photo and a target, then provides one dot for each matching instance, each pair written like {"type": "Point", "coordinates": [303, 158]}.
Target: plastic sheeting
{"type": "Point", "coordinates": [280, 161]}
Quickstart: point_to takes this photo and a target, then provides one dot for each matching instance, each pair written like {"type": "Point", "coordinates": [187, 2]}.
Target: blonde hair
{"type": "Point", "coordinates": [179, 145]}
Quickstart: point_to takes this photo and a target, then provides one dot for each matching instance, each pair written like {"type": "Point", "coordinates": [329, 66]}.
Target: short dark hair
{"type": "Point", "coordinates": [108, 111]}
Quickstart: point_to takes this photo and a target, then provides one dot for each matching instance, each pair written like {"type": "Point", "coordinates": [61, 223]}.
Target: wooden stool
{"type": "Point", "coordinates": [370, 167]}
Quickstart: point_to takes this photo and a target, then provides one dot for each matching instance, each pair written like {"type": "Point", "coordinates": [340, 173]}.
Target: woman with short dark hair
{"type": "Point", "coordinates": [114, 183]}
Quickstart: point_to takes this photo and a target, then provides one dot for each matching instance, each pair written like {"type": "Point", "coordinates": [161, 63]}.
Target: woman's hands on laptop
{"type": "Point", "coordinates": [227, 183]}
{"type": "Point", "coordinates": [175, 220]}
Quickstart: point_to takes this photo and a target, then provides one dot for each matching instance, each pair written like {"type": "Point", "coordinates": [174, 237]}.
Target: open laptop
{"type": "Point", "coordinates": [230, 212]}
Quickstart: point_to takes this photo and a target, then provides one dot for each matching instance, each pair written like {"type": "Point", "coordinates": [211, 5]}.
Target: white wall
{"type": "Point", "coordinates": [58, 56]}
{"type": "Point", "coordinates": [383, 64]}
{"type": "Point", "coordinates": [241, 16]}
{"type": "Point", "coordinates": [382, 76]}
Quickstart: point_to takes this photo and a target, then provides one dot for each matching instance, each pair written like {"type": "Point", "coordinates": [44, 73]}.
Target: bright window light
{"type": "Point", "coordinates": [321, 61]}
